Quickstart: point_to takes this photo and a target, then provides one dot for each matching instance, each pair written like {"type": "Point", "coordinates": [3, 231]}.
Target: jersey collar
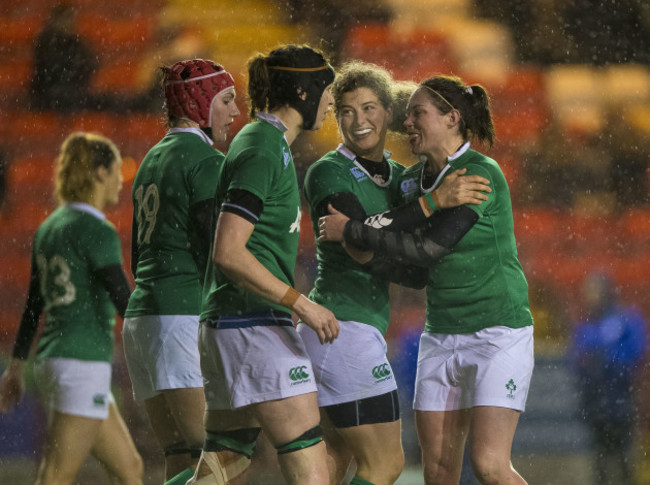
{"type": "Point", "coordinates": [450, 159]}
{"type": "Point", "coordinates": [273, 120]}
{"type": "Point", "coordinates": [349, 154]}
{"type": "Point", "coordinates": [83, 207]}
{"type": "Point", "coordinates": [196, 131]}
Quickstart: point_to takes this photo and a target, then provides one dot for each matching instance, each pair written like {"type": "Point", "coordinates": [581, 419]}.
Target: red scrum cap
{"type": "Point", "coordinates": [190, 87]}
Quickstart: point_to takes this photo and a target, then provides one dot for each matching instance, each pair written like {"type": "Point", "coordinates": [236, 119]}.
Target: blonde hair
{"type": "Point", "coordinates": [402, 92]}
{"type": "Point", "coordinates": [80, 156]}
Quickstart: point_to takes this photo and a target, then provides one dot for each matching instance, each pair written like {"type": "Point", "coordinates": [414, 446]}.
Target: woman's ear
{"type": "Point", "coordinates": [101, 173]}
{"type": "Point", "coordinates": [454, 118]}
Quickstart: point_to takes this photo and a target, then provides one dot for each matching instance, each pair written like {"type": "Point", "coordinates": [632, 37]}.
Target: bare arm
{"type": "Point", "coordinates": [238, 263]}
{"type": "Point", "coordinates": [12, 385]}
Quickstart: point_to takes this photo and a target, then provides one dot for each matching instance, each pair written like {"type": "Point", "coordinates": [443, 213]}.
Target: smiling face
{"type": "Point", "coordinates": [426, 126]}
{"type": "Point", "coordinates": [363, 122]}
{"type": "Point", "coordinates": [222, 113]}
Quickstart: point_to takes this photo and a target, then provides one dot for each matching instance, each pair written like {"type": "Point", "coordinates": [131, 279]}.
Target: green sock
{"type": "Point", "coordinates": [360, 481]}
{"type": "Point", "coordinates": [181, 478]}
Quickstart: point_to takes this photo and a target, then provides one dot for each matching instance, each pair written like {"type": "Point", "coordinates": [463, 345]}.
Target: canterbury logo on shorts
{"type": "Point", "coordinates": [381, 372]}
{"type": "Point", "coordinates": [298, 375]}
{"type": "Point", "coordinates": [99, 400]}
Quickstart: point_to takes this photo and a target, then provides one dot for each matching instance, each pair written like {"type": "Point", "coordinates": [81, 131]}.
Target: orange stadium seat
{"type": "Point", "coordinates": [633, 229]}
{"type": "Point", "coordinates": [31, 173]}
{"type": "Point", "coordinates": [110, 33]}
{"type": "Point", "coordinates": [139, 133]}
{"type": "Point", "coordinates": [520, 108]}
{"type": "Point", "coordinates": [20, 30]}
{"type": "Point", "coordinates": [15, 77]}
{"type": "Point", "coordinates": [369, 42]}
{"type": "Point", "coordinates": [106, 124]}
{"type": "Point", "coordinates": [537, 230]}
{"type": "Point", "coordinates": [37, 132]}
{"type": "Point", "coordinates": [24, 218]}
{"type": "Point", "coordinates": [118, 77]}
{"type": "Point", "coordinates": [589, 235]}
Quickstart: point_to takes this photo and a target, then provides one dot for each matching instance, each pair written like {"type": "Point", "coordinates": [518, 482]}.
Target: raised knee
{"type": "Point", "coordinates": [133, 472]}
{"type": "Point", "coordinates": [438, 474]}
{"type": "Point", "coordinates": [387, 466]}
{"type": "Point", "coordinates": [489, 471]}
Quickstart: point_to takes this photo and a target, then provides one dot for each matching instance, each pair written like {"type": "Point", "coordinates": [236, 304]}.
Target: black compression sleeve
{"type": "Point", "coordinates": [243, 203]}
{"type": "Point", "coordinates": [402, 218]}
{"type": "Point", "coordinates": [435, 239]}
{"type": "Point", "coordinates": [201, 233]}
{"type": "Point", "coordinates": [409, 275]}
{"type": "Point", "coordinates": [134, 246]}
{"type": "Point", "coordinates": [345, 202]}
{"type": "Point", "coordinates": [115, 282]}
{"type": "Point", "coordinates": [406, 275]}
{"type": "Point", "coordinates": [29, 321]}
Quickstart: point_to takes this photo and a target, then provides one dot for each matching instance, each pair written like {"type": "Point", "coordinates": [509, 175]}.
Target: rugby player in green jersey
{"type": "Point", "coordinates": [357, 391]}
{"type": "Point", "coordinates": [173, 203]}
{"type": "Point", "coordinates": [256, 371]}
{"type": "Point", "coordinates": [475, 359]}
{"type": "Point", "coordinates": [77, 279]}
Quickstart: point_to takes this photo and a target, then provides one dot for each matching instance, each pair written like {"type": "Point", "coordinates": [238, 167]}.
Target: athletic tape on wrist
{"type": "Point", "coordinates": [290, 297]}
{"type": "Point", "coordinates": [431, 200]}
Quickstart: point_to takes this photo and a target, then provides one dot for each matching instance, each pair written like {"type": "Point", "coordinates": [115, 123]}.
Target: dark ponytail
{"type": "Point", "coordinates": [473, 103]}
{"type": "Point", "coordinates": [259, 84]}
{"type": "Point", "coordinates": [478, 116]}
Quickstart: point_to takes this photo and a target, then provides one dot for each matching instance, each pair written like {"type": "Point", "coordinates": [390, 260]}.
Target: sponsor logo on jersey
{"type": "Point", "coordinates": [511, 387]}
{"type": "Point", "coordinates": [287, 156]}
{"type": "Point", "coordinates": [409, 186]}
{"type": "Point", "coordinates": [298, 375]}
{"type": "Point", "coordinates": [99, 400]}
{"type": "Point", "coordinates": [381, 373]}
{"type": "Point", "coordinates": [295, 225]}
{"type": "Point", "coordinates": [378, 221]}
{"type": "Point", "coordinates": [358, 174]}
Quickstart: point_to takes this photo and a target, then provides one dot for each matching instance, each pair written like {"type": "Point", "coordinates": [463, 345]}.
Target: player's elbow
{"type": "Point", "coordinates": [226, 259]}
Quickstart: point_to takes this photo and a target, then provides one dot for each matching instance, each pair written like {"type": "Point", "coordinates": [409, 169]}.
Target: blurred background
{"type": "Point", "coordinates": [570, 87]}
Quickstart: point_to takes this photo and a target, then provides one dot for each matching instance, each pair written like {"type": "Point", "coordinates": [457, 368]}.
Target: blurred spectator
{"type": "Point", "coordinates": [536, 26]}
{"type": "Point", "coordinates": [64, 66]}
{"type": "Point", "coordinates": [628, 148]}
{"type": "Point", "coordinates": [607, 31]}
{"type": "Point", "coordinates": [547, 168]}
{"type": "Point", "coordinates": [606, 352]}
{"type": "Point", "coordinates": [171, 43]}
{"type": "Point", "coordinates": [330, 19]}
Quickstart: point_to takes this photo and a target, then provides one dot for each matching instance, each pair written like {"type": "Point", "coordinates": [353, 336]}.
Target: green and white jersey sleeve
{"type": "Point", "coordinates": [259, 161]}
{"type": "Point", "coordinates": [178, 172]}
{"type": "Point", "coordinates": [342, 285]}
{"type": "Point", "coordinates": [480, 283]}
{"type": "Point", "coordinates": [69, 247]}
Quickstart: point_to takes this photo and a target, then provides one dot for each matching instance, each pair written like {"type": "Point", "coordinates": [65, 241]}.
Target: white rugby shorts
{"type": "Point", "coordinates": [491, 367]}
{"type": "Point", "coordinates": [162, 353]}
{"type": "Point", "coordinates": [76, 387]}
{"type": "Point", "coordinates": [351, 368]}
{"type": "Point", "coordinates": [254, 364]}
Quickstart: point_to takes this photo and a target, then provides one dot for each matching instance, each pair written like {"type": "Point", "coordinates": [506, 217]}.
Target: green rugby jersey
{"type": "Point", "coordinates": [69, 247]}
{"type": "Point", "coordinates": [176, 173]}
{"type": "Point", "coordinates": [259, 161]}
{"type": "Point", "coordinates": [480, 283]}
{"type": "Point", "coordinates": [342, 285]}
